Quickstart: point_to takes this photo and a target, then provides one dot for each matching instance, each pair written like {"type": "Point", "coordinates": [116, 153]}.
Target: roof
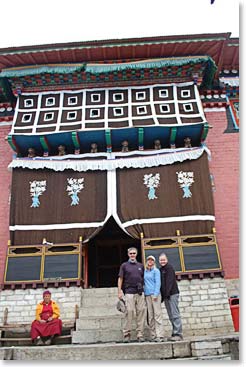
{"type": "Point", "coordinates": [219, 46]}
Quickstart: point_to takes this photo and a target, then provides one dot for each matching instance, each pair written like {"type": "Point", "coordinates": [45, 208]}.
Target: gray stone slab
{"type": "Point", "coordinates": [120, 351]}
{"type": "Point", "coordinates": [110, 351]}
{"type": "Point", "coordinates": [181, 349]}
{"type": "Point", "coordinates": [94, 322]}
{"type": "Point", "coordinates": [109, 310]}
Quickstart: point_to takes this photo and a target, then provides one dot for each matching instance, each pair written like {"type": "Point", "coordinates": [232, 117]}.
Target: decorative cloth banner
{"type": "Point", "coordinates": [155, 200]}
{"type": "Point", "coordinates": [190, 210]}
{"type": "Point", "coordinates": [62, 214]}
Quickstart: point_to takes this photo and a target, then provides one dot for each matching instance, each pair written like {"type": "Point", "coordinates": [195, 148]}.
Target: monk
{"type": "Point", "coordinates": [47, 324]}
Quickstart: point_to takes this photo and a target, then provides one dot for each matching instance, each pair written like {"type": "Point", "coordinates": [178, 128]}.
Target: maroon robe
{"type": "Point", "coordinates": [48, 328]}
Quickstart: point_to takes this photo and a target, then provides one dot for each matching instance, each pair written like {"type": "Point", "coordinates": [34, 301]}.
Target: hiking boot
{"type": "Point", "coordinates": [126, 339]}
{"type": "Point", "coordinates": [176, 338]}
{"type": "Point", "coordinates": [141, 339]}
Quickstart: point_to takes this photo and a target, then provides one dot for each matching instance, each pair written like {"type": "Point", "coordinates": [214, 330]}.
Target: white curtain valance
{"type": "Point", "coordinates": [111, 161]}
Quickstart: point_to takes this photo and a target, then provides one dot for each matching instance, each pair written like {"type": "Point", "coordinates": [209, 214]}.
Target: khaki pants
{"type": "Point", "coordinates": [135, 304]}
{"type": "Point", "coordinates": [155, 319]}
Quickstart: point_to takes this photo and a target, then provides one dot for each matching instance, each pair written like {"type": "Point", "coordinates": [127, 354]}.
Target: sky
{"type": "Point", "coordinates": [33, 22]}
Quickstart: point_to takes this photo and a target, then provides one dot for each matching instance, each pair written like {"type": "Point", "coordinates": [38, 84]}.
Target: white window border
{"type": "Point", "coordinates": [94, 116]}
{"type": "Point", "coordinates": [166, 105]}
{"type": "Point", "coordinates": [163, 90]}
{"type": "Point", "coordinates": [27, 100]}
{"type": "Point", "coordinates": [140, 98]}
{"type": "Point", "coordinates": [48, 113]}
{"type": "Point", "coordinates": [185, 91]}
{"type": "Point", "coordinates": [50, 104]}
{"type": "Point", "coordinates": [96, 95]}
{"type": "Point", "coordinates": [26, 121]}
{"type": "Point", "coordinates": [72, 103]}
{"type": "Point", "coordinates": [72, 118]}
{"type": "Point", "coordinates": [142, 113]}
{"type": "Point", "coordinates": [118, 108]}
{"type": "Point", "coordinates": [117, 94]}
{"type": "Point", "coordinates": [185, 107]}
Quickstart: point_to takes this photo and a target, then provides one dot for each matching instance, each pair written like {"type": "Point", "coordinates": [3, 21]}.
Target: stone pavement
{"type": "Point", "coordinates": [192, 348]}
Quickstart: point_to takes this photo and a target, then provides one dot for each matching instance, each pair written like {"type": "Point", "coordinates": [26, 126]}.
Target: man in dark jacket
{"type": "Point", "coordinates": [170, 296]}
{"type": "Point", "coordinates": [130, 286]}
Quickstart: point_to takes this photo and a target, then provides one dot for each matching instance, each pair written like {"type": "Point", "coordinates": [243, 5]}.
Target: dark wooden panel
{"type": "Point", "coordinates": [61, 266]}
{"type": "Point", "coordinates": [23, 268]}
{"type": "Point", "coordinates": [201, 258]}
{"type": "Point", "coordinates": [172, 254]}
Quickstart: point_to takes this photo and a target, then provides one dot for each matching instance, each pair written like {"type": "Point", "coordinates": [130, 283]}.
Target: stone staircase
{"type": "Point", "coordinates": [99, 321]}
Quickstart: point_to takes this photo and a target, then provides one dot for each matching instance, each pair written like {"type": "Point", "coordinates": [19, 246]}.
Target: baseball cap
{"type": "Point", "coordinates": [121, 306]}
{"type": "Point", "coordinates": [151, 257]}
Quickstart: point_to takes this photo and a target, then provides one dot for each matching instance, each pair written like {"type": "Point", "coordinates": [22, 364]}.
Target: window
{"type": "Point", "coordinates": [72, 101]}
{"type": "Point", "coordinates": [48, 116]}
{"type": "Point", "coordinates": [118, 97]}
{"type": "Point", "coordinates": [185, 93]}
{"type": "Point", "coordinates": [26, 117]}
{"type": "Point", "coordinates": [141, 110]}
{"type": "Point", "coordinates": [118, 111]}
{"type": "Point", "coordinates": [165, 108]}
{"type": "Point", "coordinates": [188, 107]}
{"type": "Point", "coordinates": [28, 102]}
{"type": "Point", "coordinates": [95, 97]}
{"type": "Point", "coordinates": [163, 93]}
{"type": "Point", "coordinates": [72, 115]}
{"type": "Point", "coordinates": [50, 101]}
{"type": "Point", "coordinates": [94, 113]}
{"type": "Point", "coordinates": [193, 255]}
{"type": "Point", "coordinates": [140, 96]}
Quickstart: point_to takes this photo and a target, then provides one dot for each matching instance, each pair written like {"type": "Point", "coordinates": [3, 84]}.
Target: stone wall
{"type": "Point", "coordinates": [233, 287]}
{"type": "Point", "coordinates": [21, 303]}
{"type": "Point", "coordinates": [204, 305]}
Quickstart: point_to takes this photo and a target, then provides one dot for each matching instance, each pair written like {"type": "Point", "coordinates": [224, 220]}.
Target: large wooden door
{"type": "Point", "coordinates": [106, 252]}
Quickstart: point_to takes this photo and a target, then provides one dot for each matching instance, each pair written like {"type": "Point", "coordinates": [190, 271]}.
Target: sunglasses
{"type": "Point", "coordinates": [132, 253]}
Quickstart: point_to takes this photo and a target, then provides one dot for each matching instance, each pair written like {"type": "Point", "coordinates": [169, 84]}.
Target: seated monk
{"type": "Point", "coordinates": [47, 324]}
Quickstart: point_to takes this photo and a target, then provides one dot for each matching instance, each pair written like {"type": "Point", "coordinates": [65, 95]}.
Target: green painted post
{"type": "Point", "coordinates": [108, 140]}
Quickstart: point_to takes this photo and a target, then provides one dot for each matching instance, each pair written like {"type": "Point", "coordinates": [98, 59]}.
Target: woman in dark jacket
{"type": "Point", "coordinates": [170, 296]}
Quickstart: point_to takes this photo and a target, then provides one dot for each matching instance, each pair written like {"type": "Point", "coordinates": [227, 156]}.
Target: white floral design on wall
{"type": "Point", "coordinates": [75, 185]}
{"type": "Point", "coordinates": [37, 188]}
{"type": "Point", "coordinates": [152, 182]}
{"type": "Point", "coordinates": [185, 180]}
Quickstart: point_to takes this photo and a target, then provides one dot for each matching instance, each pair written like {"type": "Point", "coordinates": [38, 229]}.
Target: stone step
{"type": "Point", "coordinates": [107, 322]}
{"type": "Point", "coordinates": [98, 335]}
{"type": "Point", "coordinates": [97, 292]}
{"type": "Point", "coordinates": [112, 351]}
{"type": "Point", "coordinates": [109, 310]}
{"type": "Point", "coordinates": [99, 300]}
